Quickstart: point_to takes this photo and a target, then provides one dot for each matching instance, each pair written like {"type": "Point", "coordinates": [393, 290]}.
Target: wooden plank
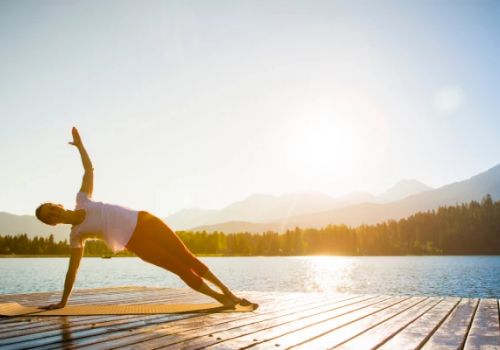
{"type": "Point", "coordinates": [67, 331]}
{"type": "Point", "coordinates": [171, 295]}
{"type": "Point", "coordinates": [309, 332]}
{"type": "Point", "coordinates": [214, 322]}
{"type": "Point", "coordinates": [151, 337]}
{"type": "Point", "coordinates": [72, 322]}
{"type": "Point", "coordinates": [257, 333]}
{"type": "Point", "coordinates": [99, 327]}
{"type": "Point", "coordinates": [66, 336]}
{"type": "Point", "coordinates": [485, 330]}
{"type": "Point", "coordinates": [53, 323]}
{"type": "Point", "coordinates": [252, 334]}
{"type": "Point", "coordinates": [97, 331]}
{"type": "Point", "coordinates": [340, 335]}
{"type": "Point", "coordinates": [115, 333]}
{"type": "Point", "coordinates": [29, 322]}
{"type": "Point", "coordinates": [417, 333]}
{"type": "Point", "coordinates": [314, 322]}
{"type": "Point", "coordinates": [379, 334]}
{"type": "Point", "coordinates": [453, 331]}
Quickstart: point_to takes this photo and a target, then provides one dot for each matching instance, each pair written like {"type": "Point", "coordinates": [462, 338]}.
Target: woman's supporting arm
{"type": "Point", "coordinates": [74, 264]}
{"type": "Point", "coordinates": [88, 176]}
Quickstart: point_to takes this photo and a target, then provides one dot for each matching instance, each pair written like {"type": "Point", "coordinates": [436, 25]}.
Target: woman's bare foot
{"type": "Point", "coordinates": [234, 301]}
{"type": "Point", "coordinates": [225, 300]}
{"type": "Point", "coordinates": [245, 305]}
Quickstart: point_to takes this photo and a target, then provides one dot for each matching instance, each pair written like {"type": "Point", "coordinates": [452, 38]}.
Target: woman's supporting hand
{"type": "Point", "coordinates": [59, 305]}
{"type": "Point", "coordinates": [77, 140]}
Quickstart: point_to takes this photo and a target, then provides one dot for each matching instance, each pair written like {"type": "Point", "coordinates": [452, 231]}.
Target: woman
{"type": "Point", "coordinates": [138, 231]}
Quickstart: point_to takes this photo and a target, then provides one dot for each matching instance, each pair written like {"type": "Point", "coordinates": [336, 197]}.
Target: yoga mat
{"type": "Point", "coordinates": [15, 309]}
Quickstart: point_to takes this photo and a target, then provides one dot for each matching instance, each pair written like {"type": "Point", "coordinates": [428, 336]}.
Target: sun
{"type": "Point", "coordinates": [345, 132]}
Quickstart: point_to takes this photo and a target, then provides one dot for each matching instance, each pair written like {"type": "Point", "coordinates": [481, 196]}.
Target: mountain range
{"type": "Point", "coordinates": [11, 224]}
{"type": "Point", "coordinates": [262, 208]}
{"type": "Point", "coordinates": [378, 209]}
{"type": "Point", "coordinates": [260, 213]}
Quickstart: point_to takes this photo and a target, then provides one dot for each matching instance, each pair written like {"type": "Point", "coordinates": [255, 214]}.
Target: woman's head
{"type": "Point", "coordinates": [50, 213]}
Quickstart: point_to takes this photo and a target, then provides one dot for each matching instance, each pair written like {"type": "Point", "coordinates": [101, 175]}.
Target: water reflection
{"type": "Point", "coordinates": [328, 274]}
{"type": "Point", "coordinates": [476, 276]}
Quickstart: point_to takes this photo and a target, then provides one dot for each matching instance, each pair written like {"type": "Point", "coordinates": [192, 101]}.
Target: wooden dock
{"type": "Point", "coordinates": [283, 321]}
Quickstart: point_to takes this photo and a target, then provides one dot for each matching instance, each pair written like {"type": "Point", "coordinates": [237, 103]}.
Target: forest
{"type": "Point", "coordinates": [465, 229]}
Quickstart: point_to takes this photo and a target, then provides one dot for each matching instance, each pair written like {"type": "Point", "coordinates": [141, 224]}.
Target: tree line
{"type": "Point", "coordinates": [465, 229]}
{"type": "Point", "coordinates": [23, 245]}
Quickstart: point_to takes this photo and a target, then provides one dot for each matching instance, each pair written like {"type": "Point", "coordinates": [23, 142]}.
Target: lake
{"type": "Point", "coordinates": [464, 276]}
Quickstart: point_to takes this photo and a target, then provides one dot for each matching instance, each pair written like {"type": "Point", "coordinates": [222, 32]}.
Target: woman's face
{"type": "Point", "coordinates": [52, 213]}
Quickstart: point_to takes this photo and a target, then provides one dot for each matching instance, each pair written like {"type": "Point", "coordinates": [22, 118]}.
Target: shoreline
{"type": "Point", "coordinates": [12, 256]}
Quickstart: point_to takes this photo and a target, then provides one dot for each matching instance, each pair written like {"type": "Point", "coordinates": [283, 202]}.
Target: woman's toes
{"type": "Point", "coordinates": [244, 302]}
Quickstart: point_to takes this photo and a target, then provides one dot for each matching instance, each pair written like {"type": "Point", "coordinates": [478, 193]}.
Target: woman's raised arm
{"type": "Point", "coordinates": [88, 176]}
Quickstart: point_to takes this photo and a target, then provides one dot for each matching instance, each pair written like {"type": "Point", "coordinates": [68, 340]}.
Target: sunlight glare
{"type": "Point", "coordinates": [327, 272]}
{"type": "Point", "coordinates": [347, 131]}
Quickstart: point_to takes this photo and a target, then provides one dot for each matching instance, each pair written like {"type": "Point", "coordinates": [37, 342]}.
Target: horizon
{"type": "Point", "coordinates": [374, 195]}
{"type": "Point", "coordinates": [190, 105]}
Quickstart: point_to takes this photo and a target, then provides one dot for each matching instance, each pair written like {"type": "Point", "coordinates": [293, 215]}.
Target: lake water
{"type": "Point", "coordinates": [477, 276]}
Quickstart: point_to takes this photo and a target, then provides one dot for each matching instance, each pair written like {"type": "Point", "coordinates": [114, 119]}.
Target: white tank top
{"type": "Point", "coordinates": [112, 223]}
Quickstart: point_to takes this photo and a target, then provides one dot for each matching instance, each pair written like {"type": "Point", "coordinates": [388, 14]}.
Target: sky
{"type": "Point", "coordinates": [186, 104]}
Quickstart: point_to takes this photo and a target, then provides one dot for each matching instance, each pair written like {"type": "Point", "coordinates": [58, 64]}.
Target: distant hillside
{"type": "Point", "coordinates": [260, 213]}
{"type": "Point", "coordinates": [11, 224]}
{"type": "Point", "coordinates": [239, 226]}
{"type": "Point", "coordinates": [262, 208]}
{"type": "Point", "coordinates": [256, 208]}
{"type": "Point", "coordinates": [187, 218]}
{"type": "Point", "coordinates": [465, 191]}
{"type": "Point", "coordinates": [403, 189]}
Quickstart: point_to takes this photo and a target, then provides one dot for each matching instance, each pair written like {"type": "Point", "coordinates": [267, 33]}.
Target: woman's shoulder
{"type": "Point", "coordinates": [83, 195]}
{"type": "Point", "coordinates": [82, 198]}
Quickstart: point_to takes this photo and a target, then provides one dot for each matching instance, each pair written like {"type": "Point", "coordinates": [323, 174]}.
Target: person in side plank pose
{"type": "Point", "coordinates": [138, 231]}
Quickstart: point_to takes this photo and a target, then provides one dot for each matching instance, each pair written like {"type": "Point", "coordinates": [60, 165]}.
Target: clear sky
{"type": "Point", "coordinates": [202, 103]}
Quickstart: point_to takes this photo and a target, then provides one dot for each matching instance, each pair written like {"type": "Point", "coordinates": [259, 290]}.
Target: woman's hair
{"type": "Point", "coordinates": [38, 213]}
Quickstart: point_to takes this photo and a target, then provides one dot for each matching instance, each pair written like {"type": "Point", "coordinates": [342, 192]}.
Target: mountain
{"type": "Point", "coordinates": [187, 218]}
{"type": "Point", "coordinates": [11, 224]}
{"type": "Point", "coordinates": [263, 208]}
{"type": "Point", "coordinates": [403, 189]}
{"type": "Point", "coordinates": [465, 191]}
{"type": "Point", "coordinates": [260, 213]}
{"type": "Point", "coordinates": [239, 226]}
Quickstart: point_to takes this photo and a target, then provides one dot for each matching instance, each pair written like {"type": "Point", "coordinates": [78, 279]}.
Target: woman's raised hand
{"type": "Point", "coordinates": [77, 141]}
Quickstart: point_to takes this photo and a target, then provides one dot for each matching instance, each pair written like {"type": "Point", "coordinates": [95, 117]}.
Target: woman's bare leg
{"type": "Point", "coordinates": [209, 276]}
{"type": "Point", "coordinates": [221, 298]}
{"type": "Point", "coordinates": [154, 242]}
